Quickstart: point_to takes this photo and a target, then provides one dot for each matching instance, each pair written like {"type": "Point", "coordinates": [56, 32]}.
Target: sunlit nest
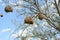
{"type": "Point", "coordinates": [28, 20]}
{"type": "Point", "coordinates": [41, 16]}
{"type": "Point", "coordinates": [1, 15]}
{"type": "Point", "coordinates": [8, 8]}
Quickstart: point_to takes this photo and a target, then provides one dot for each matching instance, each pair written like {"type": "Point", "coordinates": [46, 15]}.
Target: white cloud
{"type": "Point", "coordinates": [19, 33]}
{"type": "Point", "coordinates": [14, 35]}
{"type": "Point", "coordinates": [5, 30]}
{"type": "Point", "coordinates": [25, 32]}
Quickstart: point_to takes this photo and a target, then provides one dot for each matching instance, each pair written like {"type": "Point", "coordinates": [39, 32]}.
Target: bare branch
{"type": "Point", "coordinates": [57, 7]}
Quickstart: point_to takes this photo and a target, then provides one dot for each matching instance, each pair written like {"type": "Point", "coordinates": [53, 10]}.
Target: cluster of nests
{"type": "Point", "coordinates": [28, 19]}
{"type": "Point", "coordinates": [7, 9]}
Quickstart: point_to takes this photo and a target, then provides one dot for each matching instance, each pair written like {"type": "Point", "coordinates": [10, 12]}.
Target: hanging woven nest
{"type": "Point", "coordinates": [28, 20]}
{"type": "Point", "coordinates": [40, 16]}
{"type": "Point", "coordinates": [1, 15]}
{"type": "Point", "coordinates": [8, 9]}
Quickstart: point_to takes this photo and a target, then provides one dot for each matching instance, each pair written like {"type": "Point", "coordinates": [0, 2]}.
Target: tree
{"type": "Point", "coordinates": [46, 17]}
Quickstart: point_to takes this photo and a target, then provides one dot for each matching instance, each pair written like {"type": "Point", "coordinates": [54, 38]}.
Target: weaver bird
{"type": "Point", "coordinates": [40, 16]}
{"type": "Point", "coordinates": [28, 20]}
{"type": "Point", "coordinates": [8, 9]}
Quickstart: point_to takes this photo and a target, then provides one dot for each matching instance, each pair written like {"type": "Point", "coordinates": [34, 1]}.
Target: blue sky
{"type": "Point", "coordinates": [6, 24]}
